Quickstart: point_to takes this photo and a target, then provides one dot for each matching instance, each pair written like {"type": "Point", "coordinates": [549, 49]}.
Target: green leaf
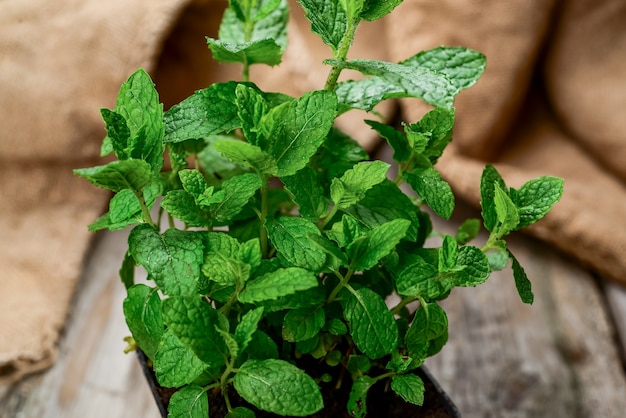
{"type": "Point", "coordinates": [355, 182]}
{"type": "Point", "coordinates": [119, 175]}
{"type": "Point", "coordinates": [395, 139]}
{"type": "Point", "coordinates": [430, 322]}
{"type": "Point", "coordinates": [435, 191]}
{"type": "Point", "coordinates": [240, 412]}
{"type": "Point", "coordinates": [232, 197]}
{"type": "Point", "coordinates": [498, 260]}
{"type": "Point", "coordinates": [127, 271]}
{"type": "Point", "coordinates": [308, 193]}
{"type": "Point", "coordinates": [290, 237]}
{"type": "Point", "coordinates": [417, 277]}
{"type": "Point", "coordinates": [278, 387]}
{"type": "Point", "coordinates": [189, 402]}
{"type": "Point", "coordinates": [297, 129]}
{"type": "Point", "coordinates": [247, 155]}
{"type": "Point", "coordinates": [194, 183]}
{"type": "Point", "coordinates": [181, 205]}
{"type": "Point", "coordinates": [410, 388]}
{"type": "Point", "coordinates": [365, 94]}
{"type": "Point", "coordinates": [366, 251]}
{"type": "Point", "coordinates": [433, 87]}
{"type": "Point", "coordinates": [138, 103]}
{"type": "Point", "coordinates": [372, 326]}
{"type": "Point", "coordinates": [507, 213]}
{"type": "Point", "coordinates": [357, 401]}
{"type": "Point", "coordinates": [207, 112]}
{"type": "Point", "coordinates": [436, 128]}
{"type": "Point", "coordinates": [490, 176]}
{"type": "Point", "coordinates": [448, 254]}
{"type": "Point", "coordinates": [377, 9]}
{"type": "Point", "coordinates": [338, 153]}
{"type": "Point", "coordinates": [303, 324]}
{"type": "Point", "coordinates": [522, 284]}
{"type": "Point", "coordinates": [338, 257]}
{"type": "Point", "coordinates": [142, 310]}
{"type": "Point", "coordinates": [536, 197]}
{"type": "Point", "coordinates": [473, 267]}
{"type": "Point", "coordinates": [462, 66]}
{"type": "Point", "coordinates": [174, 364]}
{"type": "Point", "coordinates": [268, 19]}
{"type": "Point", "coordinates": [172, 260]}
{"type": "Point", "coordinates": [386, 202]}
{"type": "Point", "coordinates": [227, 262]}
{"type": "Point", "coordinates": [328, 20]}
{"type": "Point", "coordinates": [251, 107]}
{"type": "Point", "coordinates": [467, 231]}
{"type": "Point", "coordinates": [193, 321]}
{"type": "Point", "coordinates": [118, 133]}
{"type": "Point", "coordinates": [265, 51]}
{"type": "Point", "coordinates": [277, 284]}
{"type": "Point", "coordinates": [247, 327]}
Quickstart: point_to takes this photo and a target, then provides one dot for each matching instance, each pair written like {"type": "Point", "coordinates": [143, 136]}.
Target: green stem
{"type": "Point", "coordinates": [144, 208]}
{"type": "Point", "coordinates": [341, 54]}
{"type": "Point", "coordinates": [329, 217]}
{"type": "Point", "coordinates": [402, 304]}
{"type": "Point", "coordinates": [263, 215]}
{"type": "Point", "coordinates": [343, 282]}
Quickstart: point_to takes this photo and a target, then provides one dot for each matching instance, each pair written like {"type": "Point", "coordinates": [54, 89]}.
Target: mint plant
{"type": "Point", "coordinates": [277, 240]}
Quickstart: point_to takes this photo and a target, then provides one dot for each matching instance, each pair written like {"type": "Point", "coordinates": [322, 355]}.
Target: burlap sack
{"type": "Point", "coordinates": [549, 103]}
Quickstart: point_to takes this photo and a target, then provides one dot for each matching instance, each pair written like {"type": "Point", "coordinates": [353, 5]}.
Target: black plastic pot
{"type": "Point", "coordinates": [381, 403]}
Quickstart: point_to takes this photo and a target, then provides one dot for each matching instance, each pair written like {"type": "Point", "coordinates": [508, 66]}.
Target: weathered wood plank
{"type": "Point", "coordinates": [92, 376]}
{"type": "Point", "coordinates": [556, 358]}
{"type": "Point", "coordinates": [616, 299]}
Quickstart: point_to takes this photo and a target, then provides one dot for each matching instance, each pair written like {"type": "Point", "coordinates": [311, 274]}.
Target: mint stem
{"type": "Point", "coordinates": [342, 54]}
{"type": "Point", "coordinates": [342, 283]}
{"type": "Point", "coordinates": [144, 208]}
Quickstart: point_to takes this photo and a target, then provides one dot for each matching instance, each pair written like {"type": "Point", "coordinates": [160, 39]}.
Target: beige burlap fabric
{"type": "Point", "coordinates": [550, 102]}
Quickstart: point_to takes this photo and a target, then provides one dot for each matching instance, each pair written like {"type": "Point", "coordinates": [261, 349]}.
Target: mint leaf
{"type": "Point", "coordinates": [433, 87]}
{"type": "Point", "coordinates": [142, 310]}
{"type": "Point", "coordinates": [251, 107]}
{"type": "Point", "coordinates": [194, 183]}
{"type": "Point", "coordinates": [278, 387]}
{"type": "Point", "coordinates": [435, 191]}
{"type": "Point", "coordinates": [372, 325]}
{"type": "Point", "coordinates": [472, 265]}
{"type": "Point", "coordinates": [523, 285]}
{"type": "Point", "coordinates": [172, 260]}
{"type": "Point", "coordinates": [386, 202]}
{"type": "Point", "coordinates": [429, 324]}
{"type": "Point", "coordinates": [174, 364]}
{"type": "Point", "coordinates": [415, 276]}
{"type": "Point", "coordinates": [119, 175]}
{"type": "Point", "coordinates": [355, 182]}
{"type": "Point", "coordinates": [182, 205]}
{"type": "Point", "coordinates": [193, 321]}
{"type": "Point", "coordinates": [462, 66]}
{"type": "Point", "coordinates": [234, 194]}
{"type": "Point", "coordinates": [448, 254]}
{"type": "Point", "coordinates": [303, 324]}
{"type": "Point", "coordinates": [490, 176]}
{"type": "Point", "coordinates": [118, 133]}
{"type": "Point", "coordinates": [377, 9]}
{"type": "Point", "coordinates": [436, 129]}
{"type": "Point", "coordinates": [308, 193]}
{"type": "Point", "coordinates": [410, 388]}
{"type": "Point", "coordinates": [395, 139]}
{"type": "Point", "coordinates": [207, 112]}
{"type": "Point", "coordinates": [247, 327]}
{"type": "Point", "coordinates": [265, 51]}
{"type": "Point", "coordinates": [507, 213]}
{"type": "Point", "coordinates": [189, 402]}
{"type": "Point", "coordinates": [357, 402]}
{"type": "Point", "coordinates": [290, 237]}
{"type": "Point", "coordinates": [247, 155]}
{"type": "Point", "coordinates": [366, 251]}
{"type": "Point", "coordinates": [467, 231]}
{"type": "Point", "coordinates": [240, 412]}
{"type": "Point", "coordinates": [365, 94]}
{"type": "Point", "coordinates": [277, 284]}
{"type": "Point", "coordinates": [297, 129]}
{"type": "Point", "coordinates": [328, 20]}
{"type": "Point", "coordinates": [268, 19]}
{"type": "Point", "coordinates": [227, 262]}
{"type": "Point", "coordinates": [138, 103]}
{"type": "Point", "coordinates": [536, 197]}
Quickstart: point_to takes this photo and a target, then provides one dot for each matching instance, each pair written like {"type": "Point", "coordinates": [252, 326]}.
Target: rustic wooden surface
{"type": "Point", "coordinates": [560, 357]}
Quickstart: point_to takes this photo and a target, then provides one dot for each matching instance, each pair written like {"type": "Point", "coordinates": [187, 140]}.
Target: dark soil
{"type": "Point", "coordinates": [382, 402]}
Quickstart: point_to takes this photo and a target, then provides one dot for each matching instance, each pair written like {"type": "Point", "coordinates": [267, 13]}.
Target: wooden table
{"type": "Point", "coordinates": [561, 357]}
